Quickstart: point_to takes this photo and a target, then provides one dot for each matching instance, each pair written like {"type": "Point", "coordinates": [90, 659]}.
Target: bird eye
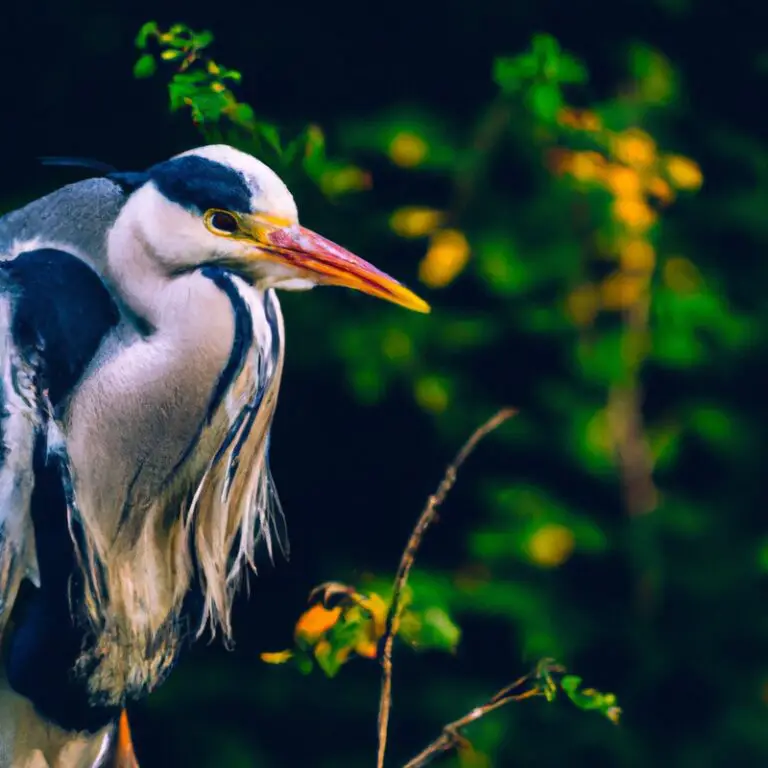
{"type": "Point", "coordinates": [223, 222]}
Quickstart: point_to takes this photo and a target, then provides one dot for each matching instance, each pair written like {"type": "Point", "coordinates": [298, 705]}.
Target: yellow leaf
{"type": "Point", "coordinates": [315, 621]}
{"type": "Point", "coordinates": [551, 545]}
{"type": "Point", "coordinates": [432, 394]}
{"type": "Point", "coordinates": [684, 172]}
{"type": "Point", "coordinates": [582, 304]}
{"type": "Point", "coordinates": [415, 221]}
{"type": "Point", "coordinates": [445, 259]}
{"type": "Point", "coordinates": [377, 608]}
{"type": "Point", "coordinates": [407, 149]}
{"type": "Point", "coordinates": [623, 181]}
{"type": "Point", "coordinates": [348, 179]}
{"type": "Point", "coordinates": [582, 120]}
{"type": "Point", "coordinates": [277, 657]}
{"type": "Point", "coordinates": [366, 648]}
{"type": "Point", "coordinates": [660, 190]}
{"type": "Point", "coordinates": [619, 290]}
{"type": "Point", "coordinates": [586, 166]}
{"type": "Point", "coordinates": [634, 148]}
{"type": "Point", "coordinates": [634, 213]}
{"type": "Point", "coordinates": [637, 256]}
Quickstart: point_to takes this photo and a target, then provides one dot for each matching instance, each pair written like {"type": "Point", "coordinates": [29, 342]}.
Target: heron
{"type": "Point", "coordinates": [142, 346]}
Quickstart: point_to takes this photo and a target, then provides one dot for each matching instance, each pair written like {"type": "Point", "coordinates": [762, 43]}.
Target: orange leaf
{"type": "Point", "coordinates": [316, 621]}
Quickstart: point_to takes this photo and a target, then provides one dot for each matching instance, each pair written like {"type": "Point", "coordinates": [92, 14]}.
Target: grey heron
{"type": "Point", "coordinates": [141, 345]}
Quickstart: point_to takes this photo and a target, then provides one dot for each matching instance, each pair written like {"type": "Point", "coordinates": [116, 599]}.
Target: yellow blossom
{"type": "Point", "coordinates": [415, 221]}
{"type": "Point", "coordinates": [407, 149]}
{"type": "Point", "coordinates": [551, 545]}
{"type": "Point", "coordinates": [446, 257]}
{"type": "Point", "coordinates": [683, 172]}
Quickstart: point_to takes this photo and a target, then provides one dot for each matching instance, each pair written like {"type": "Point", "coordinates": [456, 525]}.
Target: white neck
{"type": "Point", "coordinates": [142, 285]}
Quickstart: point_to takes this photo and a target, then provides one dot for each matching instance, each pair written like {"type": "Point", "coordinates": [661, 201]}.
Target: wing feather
{"type": "Point", "coordinates": [20, 421]}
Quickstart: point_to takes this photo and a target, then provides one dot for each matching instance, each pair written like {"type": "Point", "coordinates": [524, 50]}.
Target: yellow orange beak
{"type": "Point", "coordinates": [325, 262]}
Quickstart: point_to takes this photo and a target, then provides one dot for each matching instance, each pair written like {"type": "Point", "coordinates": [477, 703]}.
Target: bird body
{"type": "Point", "coordinates": [142, 346]}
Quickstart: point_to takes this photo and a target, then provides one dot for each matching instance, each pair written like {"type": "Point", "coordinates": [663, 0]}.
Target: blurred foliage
{"type": "Point", "coordinates": [586, 214]}
{"type": "Point", "coordinates": [548, 236]}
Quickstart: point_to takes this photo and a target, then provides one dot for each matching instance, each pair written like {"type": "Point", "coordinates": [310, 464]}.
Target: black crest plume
{"type": "Point", "coordinates": [128, 180]}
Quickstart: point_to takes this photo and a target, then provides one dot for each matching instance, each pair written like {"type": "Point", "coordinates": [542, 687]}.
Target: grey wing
{"type": "Point", "coordinates": [20, 421]}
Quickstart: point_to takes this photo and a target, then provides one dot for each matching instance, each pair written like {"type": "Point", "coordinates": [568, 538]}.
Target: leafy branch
{"type": "Point", "coordinates": [205, 87]}
{"type": "Point", "coordinates": [545, 680]}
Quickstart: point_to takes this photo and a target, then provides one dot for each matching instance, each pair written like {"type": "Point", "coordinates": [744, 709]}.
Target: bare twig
{"type": "Point", "coordinates": [488, 134]}
{"type": "Point", "coordinates": [407, 560]}
{"type": "Point", "coordinates": [533, 684]}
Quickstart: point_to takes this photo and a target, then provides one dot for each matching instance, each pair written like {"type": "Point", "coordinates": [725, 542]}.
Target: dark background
{"type": "Point", "coordinates": [354, 465]}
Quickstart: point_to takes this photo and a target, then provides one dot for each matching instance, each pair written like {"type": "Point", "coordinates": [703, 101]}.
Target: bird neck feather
{"type": "Point", "coordinates": [143, 552]}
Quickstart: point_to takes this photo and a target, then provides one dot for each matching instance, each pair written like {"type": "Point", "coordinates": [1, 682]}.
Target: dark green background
{"type": "Point", "coordinates": [671, 613]}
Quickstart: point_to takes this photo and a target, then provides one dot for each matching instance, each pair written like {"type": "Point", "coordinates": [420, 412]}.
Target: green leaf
{"type": "Point", "coordinates": [507, 74]}
{"type": "Point", "coordinates": [291, 151]}
{"type": "Point", "coordinates": [210, 105]}
{"type": "Point", "coordinates": [713, 424]}
{"type": "Point", "coordinates": [432, 628]}
{"type": "Point", "coordinates": [231, 74]}
{"type": "Point", "coordinates": [242, 114]}
{"type": "Point", "coordinates": [270, 134]}
{"type": "Point", "coordinates": [179, 90]}
{"type": "Point", "coordinates": [546, 48]}
{"type": "Point", "coordinates": [590, 699]}
{"type": "Point", "coordinates": [147, 30]}
{"type": "Point", "coordinates": [602, 359]}
{"type": "Point", "coordinates": [571, 70]}
{"type": "Point", "coordinates": [202, 39]}
{"type": "Point", "coordinates": [545, 100]}
{"type": "Point", "coordinates": [145, 66]}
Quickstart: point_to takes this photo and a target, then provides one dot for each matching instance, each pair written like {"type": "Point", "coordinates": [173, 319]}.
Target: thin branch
{"type": "Point", "coordinates": [488, 134]}
{"type": "Point", "coordinates": [406, 563]}
{"type": "Point", "coordinates": [533, 684]}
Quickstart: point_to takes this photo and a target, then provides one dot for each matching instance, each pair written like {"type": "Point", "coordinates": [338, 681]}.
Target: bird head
{"type": "Point", "coordinates": [218, 205]}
